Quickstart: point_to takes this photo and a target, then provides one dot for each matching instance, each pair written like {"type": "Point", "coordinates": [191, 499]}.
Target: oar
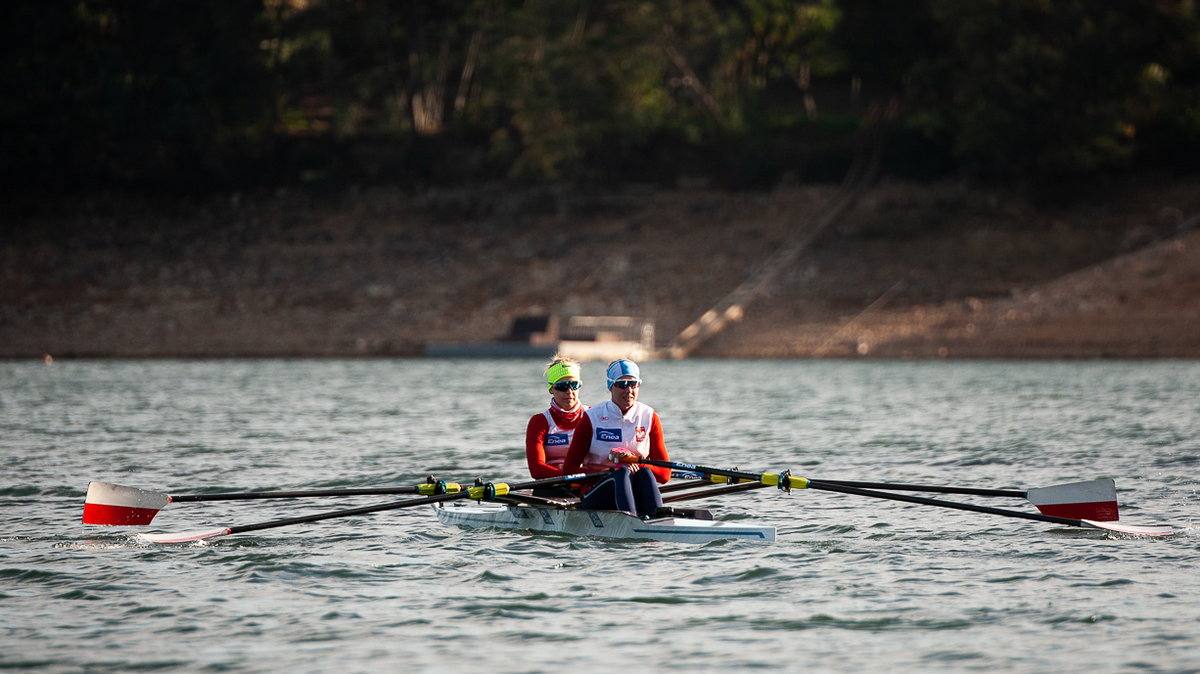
{"type": "Point", "coordinates": [1091, 499]}
{"type": "Point", "coordinates": [678, 486]}
{"type": "Point", "coordinates": [113, 504]}
{"type": "Point", "coordinates": [481, 492]}
{"type": "Point", "coordinates": [787, 481]}
{"type": "Point", "coordinates": [704, 493]}
{"type": "Point", "coordinates": [117, 505]}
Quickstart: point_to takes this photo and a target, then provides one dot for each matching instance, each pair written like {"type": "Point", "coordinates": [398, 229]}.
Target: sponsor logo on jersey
{"type": "Point", "coordinates": [557, 439]}
{"type": "Point", "coordinates": [608, 434]}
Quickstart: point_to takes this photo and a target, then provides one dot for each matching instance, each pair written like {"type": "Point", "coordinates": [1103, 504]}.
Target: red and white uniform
{"type": "Point", "coordinates": [603, 429]}
{"type": "Point", "coordinates": [547, 438]}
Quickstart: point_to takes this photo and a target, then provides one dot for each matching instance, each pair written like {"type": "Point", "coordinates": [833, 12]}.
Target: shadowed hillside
{"type": "Point", "coordinates": [909, 271]}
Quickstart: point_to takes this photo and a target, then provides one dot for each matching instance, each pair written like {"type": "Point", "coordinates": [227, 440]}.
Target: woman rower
{"type": "Point", "coordinates": [548, 433]}
{"type": "Point", "coordinates": [615, 435]}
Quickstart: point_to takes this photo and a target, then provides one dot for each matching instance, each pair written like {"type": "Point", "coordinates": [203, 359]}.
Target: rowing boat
{"type": "Point", "coordinates": [1089, 504]}
{"type": "Point", "coordinates": [682, 526]}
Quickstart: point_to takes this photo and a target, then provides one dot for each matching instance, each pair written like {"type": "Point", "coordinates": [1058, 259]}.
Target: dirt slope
{"type": "Point", "coordinates": [911, 271]}
{"type": "Point", "coordinates": [1142, 304]}
{"type": "Point", "coordinates": [915, 274]}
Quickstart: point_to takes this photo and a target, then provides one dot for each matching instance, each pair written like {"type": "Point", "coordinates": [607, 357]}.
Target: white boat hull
{"type": "Point", "coordinates": [600, 523]}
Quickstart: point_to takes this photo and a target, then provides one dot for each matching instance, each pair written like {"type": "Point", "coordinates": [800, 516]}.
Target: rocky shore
{"type": "Point", "coordinates": [909, 271]}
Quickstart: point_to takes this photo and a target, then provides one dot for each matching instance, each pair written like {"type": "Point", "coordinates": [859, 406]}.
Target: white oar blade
{"type": "Point", "coordinates": [113, 504]}
{"type": "Point", "coordinates": [1092, 500]}
{"type": "Point", "coordinates": [184, 536]}
{"type": "Point", "coordinates": [1135, 529]}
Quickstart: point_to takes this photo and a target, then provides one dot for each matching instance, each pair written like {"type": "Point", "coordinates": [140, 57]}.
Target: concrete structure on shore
{"type": "Point", "coordinates": [584, 338]}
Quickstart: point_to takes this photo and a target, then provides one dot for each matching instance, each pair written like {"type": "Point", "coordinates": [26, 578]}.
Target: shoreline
{"type": "Point", "coordinates": [910, 272]}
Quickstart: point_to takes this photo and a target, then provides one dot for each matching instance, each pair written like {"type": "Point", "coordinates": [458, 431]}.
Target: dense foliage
{"type": "Point", "coordinates": [197, 94]}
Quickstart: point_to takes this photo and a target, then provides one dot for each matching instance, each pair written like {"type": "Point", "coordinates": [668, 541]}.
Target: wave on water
{"type": "Point", "coordinates": [851, 583]}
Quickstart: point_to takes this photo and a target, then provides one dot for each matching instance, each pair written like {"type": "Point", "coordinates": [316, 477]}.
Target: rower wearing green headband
{"type": "Point", "coordinates": [549, 433]}
{"type": "Point", "coordinates": [562, 370]}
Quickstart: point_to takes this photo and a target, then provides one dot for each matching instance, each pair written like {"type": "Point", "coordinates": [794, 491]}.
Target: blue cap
{"type": "Point", "coordinates": [622, 368]}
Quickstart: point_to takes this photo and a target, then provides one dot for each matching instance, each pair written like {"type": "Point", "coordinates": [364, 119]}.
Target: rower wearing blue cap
{"type": "Point", "coordinates": [623, 369]}
{"type": "Point", "coordinates": [615, 435]}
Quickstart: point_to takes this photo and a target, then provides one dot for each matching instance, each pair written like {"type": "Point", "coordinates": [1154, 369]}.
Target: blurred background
{"type": "Point", "coordinates": [835, 177]}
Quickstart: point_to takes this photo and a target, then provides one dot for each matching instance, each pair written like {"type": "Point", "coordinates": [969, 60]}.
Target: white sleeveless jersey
{"type": "Point", "coordinates": [613, 430]}
{"type": "Point", "coordinates": [558, 439]}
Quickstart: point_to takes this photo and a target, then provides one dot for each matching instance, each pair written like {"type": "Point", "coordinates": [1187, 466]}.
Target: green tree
{"type": "Point", "coordinates": [1030, 88]}
{"type": "Point", "coordinates": [106, 93]}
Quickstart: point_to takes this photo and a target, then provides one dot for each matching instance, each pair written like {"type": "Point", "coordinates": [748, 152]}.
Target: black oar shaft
{"type": "Point", "coordinates": [928, 488]}
{"type": "Point", "coordinates": [405, 504]}
{"type": "Point", "coordinates": [745, 486]}
{"type": "Point", "coordinates": [345, 513]}
{"type": "Point", "coordinates": [677, 486]}
{"type": "Point", "coordinates": [830, 486]}
{"type": "Point", "coordinates": [827, 486]}
{"type": "Point", "coordinates": [244, 496]}
{"type": "Point", "coordinates": [378, 491]}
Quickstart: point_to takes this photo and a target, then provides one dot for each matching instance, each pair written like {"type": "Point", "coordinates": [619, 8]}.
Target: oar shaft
{"type": "Point", "coordinates": [467, 493]}
{"type": "Point", "coordinates": [928, 488]}
{"type": "Point", "coordinates": [726, 472]}
{"type": "Point", "coordinates": [745, 486]}
{"type": "Point", "coordinates": [427, 488]}
{"type": "Point", "coordinates": [829, 486]}
{"type": "Point", "coordinates": [353, 491]}
{"type": "Point", "coordinates": [677, 486]}
{"type": "Point", "coordinates": [853, 483]}
{"type": "Point", "coordinates": [345, 513]}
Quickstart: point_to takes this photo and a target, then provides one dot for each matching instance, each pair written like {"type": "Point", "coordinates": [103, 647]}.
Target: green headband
{"type": "Point", "coordinates": [562, 370]}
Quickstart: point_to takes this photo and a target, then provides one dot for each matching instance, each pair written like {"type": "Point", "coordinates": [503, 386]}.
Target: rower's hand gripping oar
{"type": "Point", "coordinates": [479, 492]}
{"type": "Point", "coordinates": [787, 481]}
{"type": "Point", "coordinates": [113, 504]}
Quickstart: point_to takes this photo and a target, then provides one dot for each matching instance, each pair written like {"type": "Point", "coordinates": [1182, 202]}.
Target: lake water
{"type": "Point", "coordinates": [851, 584]}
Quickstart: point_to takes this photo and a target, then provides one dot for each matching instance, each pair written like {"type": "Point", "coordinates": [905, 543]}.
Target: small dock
{"type": "Point", "coordinates": [584, 338]}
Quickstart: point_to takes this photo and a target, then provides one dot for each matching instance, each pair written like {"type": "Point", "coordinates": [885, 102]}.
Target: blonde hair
{"type": "Point", "coordinates": [556, 359]}
{"type": "Point", "coordinates": [561, 367]}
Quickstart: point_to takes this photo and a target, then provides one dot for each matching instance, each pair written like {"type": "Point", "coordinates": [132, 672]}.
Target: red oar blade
{"type": "Point", "coordinates": [1134, 529]}
{"type": "Point", "coordinates": [113, 504]}
{"type": "Point", "coordinates": [185, 536]}
{"type": "Point", "coordinates": [1092, 500]}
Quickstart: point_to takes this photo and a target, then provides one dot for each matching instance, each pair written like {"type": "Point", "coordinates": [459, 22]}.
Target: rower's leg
{"type": "Point", "coordinates": [613, 492]}
{"type": "Point", "coordinates": [645, 492]}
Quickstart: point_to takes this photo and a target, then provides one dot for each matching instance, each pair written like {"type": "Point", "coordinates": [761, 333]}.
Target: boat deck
{"type": "Point", "coordinates": [682, 526]}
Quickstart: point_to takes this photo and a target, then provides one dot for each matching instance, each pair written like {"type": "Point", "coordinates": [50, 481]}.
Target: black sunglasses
{"type": "Point", "coordinates": [627, 383]}
{"type": "Point", "coordinates": [566, 385]}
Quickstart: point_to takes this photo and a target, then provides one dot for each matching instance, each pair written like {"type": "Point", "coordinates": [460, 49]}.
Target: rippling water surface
{"type": "Point", "coordinates": [851, 584]}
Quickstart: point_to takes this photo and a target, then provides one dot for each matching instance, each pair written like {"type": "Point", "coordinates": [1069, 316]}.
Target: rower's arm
{"type": "Point", "coordinates": [581, 442]}
{"type": "Point", "coordinates": [535, 449]}
{"type": "Point", "coordinates": [658, 451]}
